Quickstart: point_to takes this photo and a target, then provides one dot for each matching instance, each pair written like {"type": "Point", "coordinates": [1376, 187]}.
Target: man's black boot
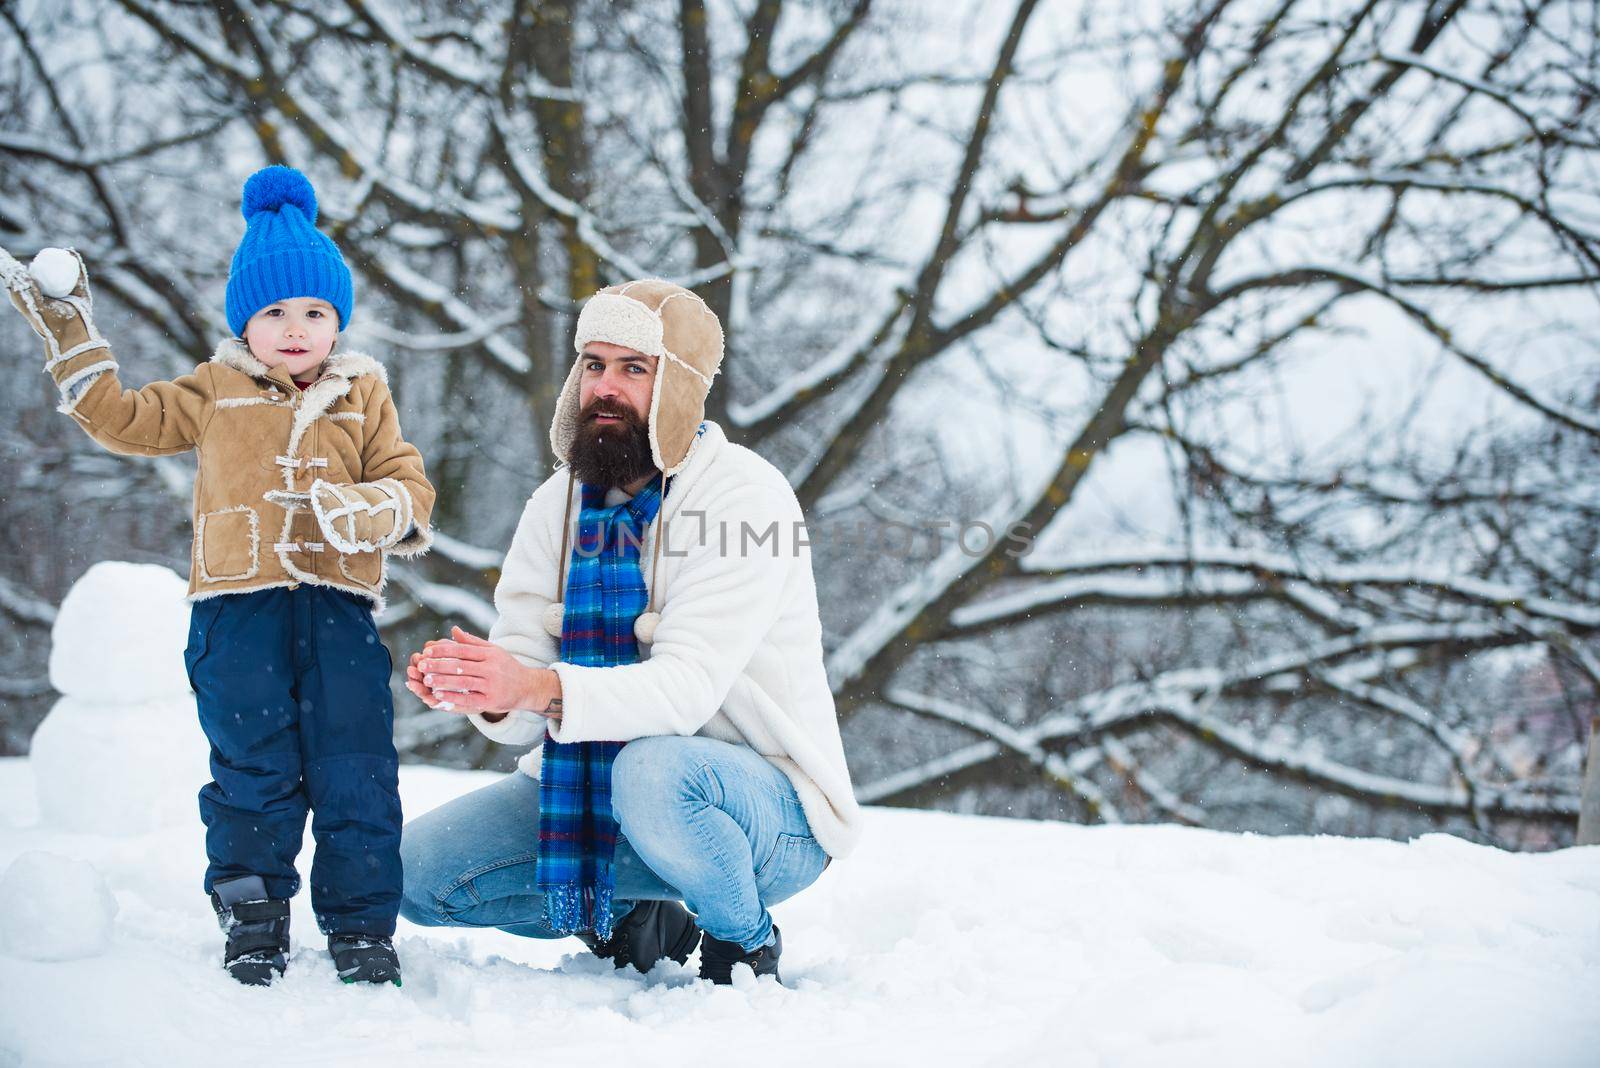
{"type": "Point", "coordinates": [364, 958]}
{"type": "Point", "coordinates": [652, 931]}
{"type": "Point", "coordinates": [717, 958]}
{"type": "Point", "coordinates": [257, 928]}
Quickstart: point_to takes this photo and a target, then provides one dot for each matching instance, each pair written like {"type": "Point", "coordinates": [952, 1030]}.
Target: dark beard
{"type": "Point", "coordinates": [611, 455]}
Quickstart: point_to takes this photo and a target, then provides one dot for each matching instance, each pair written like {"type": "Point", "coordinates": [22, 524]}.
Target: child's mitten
{"type": "Point", "coordinates": [362, 517]}
{"type": "Point", "coordinates": [75, 352]}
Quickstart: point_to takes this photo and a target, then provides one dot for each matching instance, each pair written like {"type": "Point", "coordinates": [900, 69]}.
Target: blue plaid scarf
{"type": "Point", "coordinates": [605, 595]}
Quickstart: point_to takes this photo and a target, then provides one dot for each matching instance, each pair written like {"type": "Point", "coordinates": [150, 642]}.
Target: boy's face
{"type": "Point", "coordinates": [296, 334]}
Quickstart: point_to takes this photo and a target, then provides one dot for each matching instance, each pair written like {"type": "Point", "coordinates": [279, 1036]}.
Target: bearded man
{"type": "Point", "coordinates": [658, 640]}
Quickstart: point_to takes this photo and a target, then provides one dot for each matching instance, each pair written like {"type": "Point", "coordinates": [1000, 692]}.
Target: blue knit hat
{"type": "Point", "coordinates": [283, 254]}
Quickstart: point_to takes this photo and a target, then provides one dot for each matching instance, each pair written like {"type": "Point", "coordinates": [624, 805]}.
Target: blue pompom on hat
{"type": "Point", "coordinates": [283, 254]}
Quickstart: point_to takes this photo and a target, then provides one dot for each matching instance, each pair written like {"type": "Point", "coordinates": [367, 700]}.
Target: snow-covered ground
{"type": "Point", "coordinates": [946, 940]}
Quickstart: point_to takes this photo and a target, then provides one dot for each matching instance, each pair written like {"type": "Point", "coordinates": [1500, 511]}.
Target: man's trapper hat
{"type": "Point", "coordinates": [668, 322]}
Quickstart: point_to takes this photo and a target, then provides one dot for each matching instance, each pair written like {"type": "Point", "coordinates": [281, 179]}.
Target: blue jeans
{"type": "Point", "coordinates": [705, 822]}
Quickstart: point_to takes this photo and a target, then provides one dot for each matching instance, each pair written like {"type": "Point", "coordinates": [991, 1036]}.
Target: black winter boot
{"type": "Point", "coordinates": [364, 958]}
{"type": "Point", "coordinates": [257, 928]}
{"type": "Point", "coordinates": [652, 931]}
{"type": "Point", "coordinates": [717, 958]}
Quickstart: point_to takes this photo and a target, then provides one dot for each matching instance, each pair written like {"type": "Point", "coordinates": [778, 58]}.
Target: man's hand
{"type": "Point", "coordinates": [467, 673]}
{"type": "Point", "coordinates": [414, 677]}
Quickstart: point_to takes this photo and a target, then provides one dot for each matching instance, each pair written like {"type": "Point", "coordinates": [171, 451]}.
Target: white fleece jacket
{"type": "Point", "coordinates": [738, 651]}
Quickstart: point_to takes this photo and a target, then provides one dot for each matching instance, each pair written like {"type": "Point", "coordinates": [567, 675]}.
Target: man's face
{"type": "Point", "coordinates": [612, 447]}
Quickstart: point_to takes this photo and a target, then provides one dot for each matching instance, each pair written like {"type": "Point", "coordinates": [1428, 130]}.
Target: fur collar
{"type": "Point", "coordinates": [231, 352]}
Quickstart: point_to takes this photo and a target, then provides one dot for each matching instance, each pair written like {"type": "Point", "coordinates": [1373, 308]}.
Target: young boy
{"type": "Point", "coordinates": [304, 484]}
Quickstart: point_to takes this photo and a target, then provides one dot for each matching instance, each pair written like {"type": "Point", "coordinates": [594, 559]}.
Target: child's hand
{"type": "Point", "coordinates": [63, 324]}
{"type": "Point", "coordinates": [75, 353]}
{"type": "Point", "coordinates": [362, 517]}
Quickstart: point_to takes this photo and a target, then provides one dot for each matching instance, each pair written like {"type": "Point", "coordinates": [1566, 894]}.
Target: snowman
{"type": "Point", "coordinates": [122, 751]}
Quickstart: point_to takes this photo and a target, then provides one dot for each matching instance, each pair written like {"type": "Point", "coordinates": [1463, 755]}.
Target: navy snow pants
{"type": "Point", "coordinates": [293, 690]}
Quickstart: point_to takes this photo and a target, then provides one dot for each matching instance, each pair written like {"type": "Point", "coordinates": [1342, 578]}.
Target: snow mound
{"type": "Point", "coordinates": [120, 634]}
{"type": "Point", "coordinates": [122, 770]}
{"type": "Point", "coordinates": [944, 940]}
{"type": "Point", "coordinates": [122, 752]}
{"type": "Point", "coordinates": [56, 271]}
{"type": "Point", "coordinates": [54, 908]}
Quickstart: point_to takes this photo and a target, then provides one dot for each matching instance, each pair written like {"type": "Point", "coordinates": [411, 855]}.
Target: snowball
{"type": "Point", "coordinates": [54, 908]}
{"type": "Point", "coordinates": [121, 770]}
{"type": "Point", "coordinates": [120, 634]}
{"type": "Point", "coordinates": [56, 271]}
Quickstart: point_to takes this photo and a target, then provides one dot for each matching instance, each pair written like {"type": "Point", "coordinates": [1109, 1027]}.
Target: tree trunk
{"type": "Point", "coordinates": [1589, 796]}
